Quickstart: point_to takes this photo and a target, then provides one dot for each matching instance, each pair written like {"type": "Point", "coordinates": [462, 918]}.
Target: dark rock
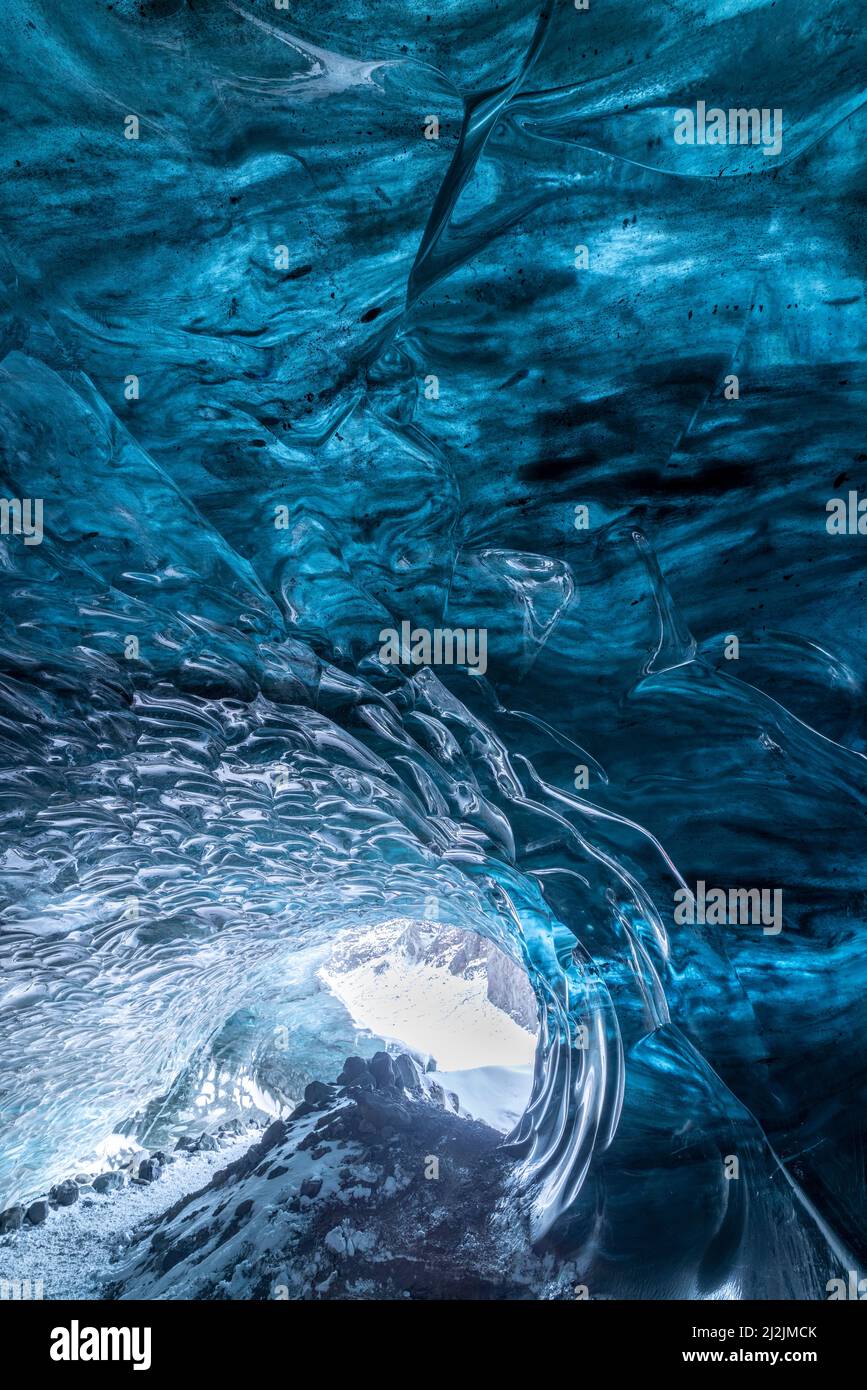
{"type": "Point", "coordinates": [274, 1134]}
{"type": "Point", "coordinates": [437, 1094]}
{"type": "Point", "coordinates": [192, 1144]}
{"type": "Point", "coordinates": [406, 1073]}
{"type": "Point", "coordinates": [83, 1179]}
{"type": "Point", "coordinates": [184, 1248]}
{"type": "Point", "coordinates": [63, 1194]}
{"type": "Point", "coordinates": [364, 1082]}
{"type": "Point", "coordinates": [108, 1182]}
{"type": "Point", "coordinates": [11, 1219]}
{"type": "Point", "coordinates": [382, 1069]}
{"type": "Point", "coordinates": [340, 1128]}
{"type": "Point", "coordinates": [303, 1109]}
{"type": "Point", "coordinates": [243, 1209]}
{"type": "Point", "coordinates": [353, 1068]}
{"type": "Point", "coordinates": [149, 1170]}
{"type": "Point", "coordinates": [310, 1141]}
{"type": "Point", "coordinates": [419, 1226]}
{"type": "Point", "coordinates": [318, 1093]}
{"type": "Point", "coordinates": [37, 1212]}
{"type": "Point", "coordinates": [381, 1115]}
{"type": "Point", "coordinates": [232, 1129]}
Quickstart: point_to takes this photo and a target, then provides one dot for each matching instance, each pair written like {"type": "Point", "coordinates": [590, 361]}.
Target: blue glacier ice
{"type": "Point", "coordinates": [297, 344]}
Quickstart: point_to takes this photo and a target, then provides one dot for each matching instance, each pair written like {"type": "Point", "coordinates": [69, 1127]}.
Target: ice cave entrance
{"type": "Point", "coordinates": [454, 1000]}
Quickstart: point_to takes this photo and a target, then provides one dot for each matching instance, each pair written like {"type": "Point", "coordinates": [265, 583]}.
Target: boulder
{"type": "Point", "coordinates": [319, 1093]}
{"type": "Point", "coordinates": [37, 1212]}
{"type": "Point", "coordinates": [382, 1070]}
{"type": "Point", "coordinates": [353, 1069]}
{"type": "Point", "coordinates": [364, 1082]}
{"type": "Point", "coordinates": [63, 1194]}
{"type": "Point", "coordinates": [108, 1182]}
{"type": "Point", "coordinates": [380, 1115]}
{"type": "Point", "coordinates": [11, 1219]}
{"type": "Point", "coordinates": [232, 1129]}
{"type": "Point", "coordinates": [406, 1073]}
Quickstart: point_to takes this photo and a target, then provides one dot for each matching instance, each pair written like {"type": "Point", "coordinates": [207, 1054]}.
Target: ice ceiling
{"type": "Point", "coordinates": [287, 373]}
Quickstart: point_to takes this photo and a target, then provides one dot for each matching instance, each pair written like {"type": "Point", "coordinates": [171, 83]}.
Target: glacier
{"type": "Point", "coordinates": [299, 345]}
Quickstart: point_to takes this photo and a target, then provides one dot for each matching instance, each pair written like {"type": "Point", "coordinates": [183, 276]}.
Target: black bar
{"type": "Point", "coordinates": [592, 1338]}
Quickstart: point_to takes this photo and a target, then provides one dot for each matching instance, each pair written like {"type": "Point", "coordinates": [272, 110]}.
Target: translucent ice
{"type": "Point", "coordinates": [308, 349]}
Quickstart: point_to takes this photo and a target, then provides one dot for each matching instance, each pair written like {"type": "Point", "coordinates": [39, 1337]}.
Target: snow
{"type": "Point", "coordinates": [497, 1095]}
{"type": "Point", "coordinates": [72, 1253]}
{"type": "Point", "coordinates": [270, 1229]}
{"type": "Point", "coordinates": [482, 1054]}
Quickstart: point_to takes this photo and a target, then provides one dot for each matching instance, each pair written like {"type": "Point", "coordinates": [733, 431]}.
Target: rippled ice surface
{"type": "Point", "coordinates": [219, 346]}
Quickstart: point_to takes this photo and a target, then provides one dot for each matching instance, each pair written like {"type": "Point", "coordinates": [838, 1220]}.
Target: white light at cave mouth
{"type": "Point", "coordinates": [427, 988]}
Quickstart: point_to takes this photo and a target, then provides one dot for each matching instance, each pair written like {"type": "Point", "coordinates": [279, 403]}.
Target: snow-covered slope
{"type": "Point", "coordinates": [71, 1253]}
{"type": "Point", "coordinates": [373, 1188]}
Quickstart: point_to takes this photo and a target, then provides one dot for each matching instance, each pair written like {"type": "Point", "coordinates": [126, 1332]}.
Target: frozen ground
{"type": "Point", "coordinates": [437, 1004]}
{"type": "Point", "coordinates": [373, 1189]}
{"type": "Point", "coordinates": [73, 1252]}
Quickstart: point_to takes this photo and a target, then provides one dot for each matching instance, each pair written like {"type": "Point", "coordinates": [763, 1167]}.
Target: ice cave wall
{"type": "Point", "coordinates": [287, 373]}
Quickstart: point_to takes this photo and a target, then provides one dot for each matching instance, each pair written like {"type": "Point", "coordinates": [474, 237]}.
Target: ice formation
{"type": "Point", "coordinates": [314, 326]}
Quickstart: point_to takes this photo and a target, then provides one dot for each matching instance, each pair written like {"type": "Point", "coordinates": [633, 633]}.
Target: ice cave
{"type": "Point", "coordinates": [418, 583]}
